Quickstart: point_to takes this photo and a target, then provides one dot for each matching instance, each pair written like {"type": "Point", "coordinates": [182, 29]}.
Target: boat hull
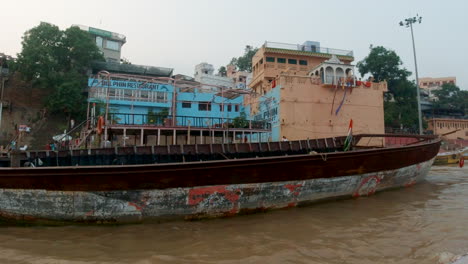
{"type": "Point", "coordinates": [133, 206]}
{"type": "Point", "coordinates": [199, 189]}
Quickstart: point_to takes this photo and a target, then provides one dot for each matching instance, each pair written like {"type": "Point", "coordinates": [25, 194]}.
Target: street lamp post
{"type": "Point", "coordinates": [409, 23]}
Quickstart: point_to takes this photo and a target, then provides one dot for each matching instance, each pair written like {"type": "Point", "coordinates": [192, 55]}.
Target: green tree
{"type": "Point", "coordinates": [400, 104]}
{"type": "Point", "coordinates": [58, 60]}
{"type": "Point", "coordinates": [244, 63]}
{"type": "Point", "coordinates": [222, 71]}
{"type": "Point", "coordinates": [402, 111]}
{"type": "Point", "coordinates": [450, 97]}
{"type": "Point", "coordinates": [383, 65]}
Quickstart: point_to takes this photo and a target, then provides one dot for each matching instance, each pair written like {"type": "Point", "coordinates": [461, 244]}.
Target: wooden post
{"type": "Point", "coordinates": [233, 136]}
{"type": "Point", "coordinates": [188, 133]}
{"type": "Point", "coordinates": [124, 136]}
{"type": "Point", "coordinates": [201, 136]}
{"type": "Point", "coordinates": [142, 134]}
{"type": "Point", "coordinates": [159, 137]}
{"type": "Point", "coordinates": [174, 134]}
{"type": "Point", "coordinates": [15, 158]}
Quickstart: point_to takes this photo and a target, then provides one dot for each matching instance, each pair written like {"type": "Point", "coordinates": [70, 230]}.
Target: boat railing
{"type": "Point", "coordinates": [203, 152]}
{"type": "Point", "coordinates": [176, 153]}
{"type": "Point", "coordinates": [390, 140]}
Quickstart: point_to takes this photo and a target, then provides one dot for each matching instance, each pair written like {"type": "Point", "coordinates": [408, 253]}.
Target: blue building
{"type": "Point", "coordinates": [155, 110]}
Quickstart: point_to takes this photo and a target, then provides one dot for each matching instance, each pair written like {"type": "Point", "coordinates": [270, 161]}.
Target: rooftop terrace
{"type": "Point", "coordinates": [308, 48]}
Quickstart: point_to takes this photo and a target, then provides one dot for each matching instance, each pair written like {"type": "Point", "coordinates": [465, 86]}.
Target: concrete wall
{"type": "Point", "coordinates": [308, 111]}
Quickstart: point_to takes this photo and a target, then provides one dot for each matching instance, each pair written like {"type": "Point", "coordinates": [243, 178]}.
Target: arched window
{"type": "Point", "coordinates": [339, 74]}
{"type": "Point", "coordinates": [329, 75]}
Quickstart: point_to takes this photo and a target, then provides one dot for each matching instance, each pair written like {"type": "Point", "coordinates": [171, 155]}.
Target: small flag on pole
{"type": "Point", "coordinates": [349, 138]}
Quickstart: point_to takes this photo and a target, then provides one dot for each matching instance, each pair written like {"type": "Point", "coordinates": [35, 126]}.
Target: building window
{"type": "Point", "coordinates": [144, 95]}
{"type": "Point", "coordinates": [236, 108]}
{"type": "Point", "coordinates": [302, 62]}
{"type": "Point", "coordinates": [292, 61]}
{"type": "Point", "coordinates": [161, 97]}
{"type": "Point", "coordinates": [204, 106]}
{"type": "Point", "coordinates": [112, 45]}
{"type": "Point", "coordinates": [281, 60]}
{"type": "Point", "coordinates": [270, 59]}
{"type": "Point", "coordinates": [99, 41]}
{"type": "Point", "coordinates": [229, 108]}
{"type": "Point", "coordinates": [261, 61]}
{"type": "Point", "coordinates": [186, 105]}
{"type": "Point", "coordinates": [221, 108]}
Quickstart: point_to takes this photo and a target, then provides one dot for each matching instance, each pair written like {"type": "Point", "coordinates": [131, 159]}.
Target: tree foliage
{"type": "Point", "coordinates": [450, 97]}
{"type": "Point", "coordinates": [58, 61]}
{"type": "Point", "coordinates": [402, 111]}
{"type": "Point", "coordinates": [400, 106]}
{"type": "Point", "coordinates": [244, 62]}
{"type": "Point", "coordinates": [383, 65]}
{"type": "Point", "coordinates": [222, 71]}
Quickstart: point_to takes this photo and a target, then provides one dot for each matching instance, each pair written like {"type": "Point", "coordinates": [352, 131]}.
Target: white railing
{"type": "Point", "coordinates": [309, 48]}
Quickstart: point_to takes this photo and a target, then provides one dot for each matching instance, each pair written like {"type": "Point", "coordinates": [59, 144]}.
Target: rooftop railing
{"type": "Point", "coordinates": [308, 48]}
{"type": "Point", "coordinates": [186, 121]}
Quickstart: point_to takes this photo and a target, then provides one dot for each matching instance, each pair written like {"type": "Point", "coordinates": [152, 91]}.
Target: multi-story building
{"type": "Point", "coordinates": [162, 110]}
{"type": "Point", "coordinates": [435, 83]}
{"type": "Point", "coordinates": [308, 91]}
{"type": "Point", "coordinates": [428, 85]}
{"type": "Point", "coordinates": [110, 43]}
{"type": "Point", "coordinates": [240, 78]}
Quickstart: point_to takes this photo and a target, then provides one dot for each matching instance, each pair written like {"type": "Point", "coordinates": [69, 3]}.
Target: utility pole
{"type": "Point", "coordinates": [409, 23]}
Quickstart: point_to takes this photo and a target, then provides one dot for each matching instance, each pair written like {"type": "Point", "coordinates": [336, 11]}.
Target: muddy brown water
{"type": "Point", "coordinates": [425, 223]}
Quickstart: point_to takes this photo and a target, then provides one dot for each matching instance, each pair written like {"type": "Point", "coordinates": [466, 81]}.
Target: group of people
{"type": "Point", "coordinates": [51, 146]}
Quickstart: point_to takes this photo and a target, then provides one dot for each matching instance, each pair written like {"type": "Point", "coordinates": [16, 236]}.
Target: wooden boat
{"type": "Point", "coordinates": [450, 157]}
{"type": "Point", "coordinates": [196, 181]}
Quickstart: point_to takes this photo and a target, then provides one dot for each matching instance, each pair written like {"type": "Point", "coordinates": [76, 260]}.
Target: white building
{"type": "Point", "coordinates": [204, 74]}
{"type": "Point", "coordinates": [109, 43]}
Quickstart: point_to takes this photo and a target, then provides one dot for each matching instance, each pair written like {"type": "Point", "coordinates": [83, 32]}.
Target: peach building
{"type": "Point", "coordinates": [435, 83]}
{"type": "Point", "coordinates": [441, 126]}
{"type": "Point", "coordinates": [239, 77]}
{"type": "Point", "coordinates": [307, 91]}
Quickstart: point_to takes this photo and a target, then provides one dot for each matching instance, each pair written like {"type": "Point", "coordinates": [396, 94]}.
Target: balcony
{"type": "Point", "coordinates": [309, 49]}
{"type": "Point", "coordinates": [156, 120]}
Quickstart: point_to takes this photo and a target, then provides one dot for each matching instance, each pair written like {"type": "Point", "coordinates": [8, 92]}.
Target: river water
{"type": "Point", "coordinates": [425, 223]}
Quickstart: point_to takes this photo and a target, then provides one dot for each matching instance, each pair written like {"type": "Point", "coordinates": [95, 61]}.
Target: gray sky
{"type": "Point", "coordinates": [183, 33]}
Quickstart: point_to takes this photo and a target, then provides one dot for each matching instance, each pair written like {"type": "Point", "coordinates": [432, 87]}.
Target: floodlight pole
{"type": "Point", "coordinates": [409, 23]}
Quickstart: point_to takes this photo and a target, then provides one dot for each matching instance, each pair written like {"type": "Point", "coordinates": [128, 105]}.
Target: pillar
{"type": "Point", "coordinates": [124, 136]}
{"type": "Point", "coordinates": [142, 134]}
{"type": "Point", "coordinates": [159, 137]}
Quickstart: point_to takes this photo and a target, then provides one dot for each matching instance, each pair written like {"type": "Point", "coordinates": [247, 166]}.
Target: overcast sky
{"type": "Point", "coordinates": [182, 33]}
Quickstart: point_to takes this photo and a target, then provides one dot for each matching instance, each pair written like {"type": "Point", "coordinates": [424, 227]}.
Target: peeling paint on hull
{"type": "Point", "coordinates": [133, 206]}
